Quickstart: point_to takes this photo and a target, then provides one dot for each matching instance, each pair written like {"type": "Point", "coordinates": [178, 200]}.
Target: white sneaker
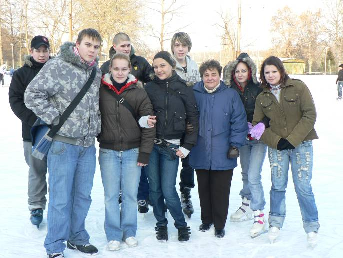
{"type": "Point", "coordinates": [312, 239]}
{"type": "Point", "coordinates": [113, 245]}
{"type": "Point", "coordinates": [131, 241]}
{"type": "Point", "coordinates": [273, 233]}
{"type": "Point", "coordinates": [243, 213]}
{"type": "Point", "coordinates": [259, 226]}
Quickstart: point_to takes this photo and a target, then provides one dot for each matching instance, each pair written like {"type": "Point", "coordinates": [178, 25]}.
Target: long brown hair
{"type": "Point", "coordinates": [273, 60]}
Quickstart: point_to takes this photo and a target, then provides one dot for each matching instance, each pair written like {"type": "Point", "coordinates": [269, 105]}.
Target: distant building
{"type": "Point", "coordinates": [293, 65]}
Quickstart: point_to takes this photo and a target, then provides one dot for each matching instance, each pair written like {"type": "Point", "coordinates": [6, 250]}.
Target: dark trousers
{"type": "Point", "coordinates": [214, 190]}
{"type": "Point", "coordinates": [186, 174]}
{"type": "Point", "coordinates": [143, 188]}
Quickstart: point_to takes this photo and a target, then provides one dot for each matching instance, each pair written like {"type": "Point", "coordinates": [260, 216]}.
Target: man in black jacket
{"type": "Point", "coordinates": [37, 186]}
{"type": "Point", "coordinates": [141, 69]}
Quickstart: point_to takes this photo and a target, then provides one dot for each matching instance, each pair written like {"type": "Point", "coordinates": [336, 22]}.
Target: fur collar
{"type": "Point", "coordinates": [67, 54]}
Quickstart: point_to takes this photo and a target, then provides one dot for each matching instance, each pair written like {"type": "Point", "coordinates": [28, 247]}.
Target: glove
{"type": "Point", "coordinates": [283, 144]}
{"type": "Point", "coordinates": [189, 128]}
{"type": "Point", "coordinates": [250, 127]}
{"type": "Point", "coordinates": [233, 153]}
{"type": "Point", "coordinates": [257, 131]}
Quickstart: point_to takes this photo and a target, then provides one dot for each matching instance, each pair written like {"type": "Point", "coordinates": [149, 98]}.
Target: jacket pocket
{"type": "Point", "coordinates": [179, 122]}
{"type": "Point", "coordinates": [292, 99]}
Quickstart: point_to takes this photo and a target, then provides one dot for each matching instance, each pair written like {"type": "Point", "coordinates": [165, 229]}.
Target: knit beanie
{"type": "Point", "coordinates": [166, 56]}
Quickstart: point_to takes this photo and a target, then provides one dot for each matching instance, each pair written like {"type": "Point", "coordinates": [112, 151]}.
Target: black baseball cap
{"type": "Point", "coordinates": [38, 41]}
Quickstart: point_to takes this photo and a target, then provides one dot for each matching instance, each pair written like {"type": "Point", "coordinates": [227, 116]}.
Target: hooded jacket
{"type": "Point", "coordinates": [192, 75]}
{"type": "Point", "coordinates": [56, 85]}
{"type": "Point", "coordinates": [174, 105]}
{"type": "Point", "coordinates": [292, 118]}
{"type": "Point", "coordinates": [222, 124]}
{"type": "Point", "coordinates": [20, 80]}
{"type": "Point", "coordinates": [140, 68]}
{"type": "Point", "coordinates": [251, 90]}
{"type": "Point", "coordinates": [119, 129]}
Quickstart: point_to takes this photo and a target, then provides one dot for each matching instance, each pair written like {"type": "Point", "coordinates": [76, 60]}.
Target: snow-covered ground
{"type": "Point", "coordinates": [18, 238]}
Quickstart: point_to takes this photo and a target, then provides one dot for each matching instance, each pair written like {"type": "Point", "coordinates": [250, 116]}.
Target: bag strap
{"type": "Point", "coordinates": [126, 104]}
{"type": "Point", "coordinates": [73, 104]}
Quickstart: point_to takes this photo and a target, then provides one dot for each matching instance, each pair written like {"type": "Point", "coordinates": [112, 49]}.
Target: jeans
{"type": "Point", "coordinates": [143, 188]}
{"type": "Point", "coordinates": [339, 88]}
{"type": "Point", "coordinates": [119, 171]}
{"type": "Point", "coordinates": [301, 159]}
{"type": "Point", "coordinates": [252, 156]}
{"type": "Point", "coordinates": [37, 186]}
{"type": "Point", "coordinates": [162, 172]}
{"type": "Point", "coordinates": [71, 172]}
{"type": "Point", "coordinates": [186, 174]}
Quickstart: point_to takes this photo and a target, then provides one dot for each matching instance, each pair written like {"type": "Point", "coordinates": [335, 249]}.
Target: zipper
{"type": "Point", "coordinates": [119, 128]}
{"type": "Point", "coordinates": [166, 109]}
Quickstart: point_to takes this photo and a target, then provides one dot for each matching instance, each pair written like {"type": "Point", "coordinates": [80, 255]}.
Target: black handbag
{"type": "Point", "coordinates": [42, 134]}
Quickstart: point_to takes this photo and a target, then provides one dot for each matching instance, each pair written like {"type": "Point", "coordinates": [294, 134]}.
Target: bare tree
{"type": "Point", "coordinates": [229, 37]}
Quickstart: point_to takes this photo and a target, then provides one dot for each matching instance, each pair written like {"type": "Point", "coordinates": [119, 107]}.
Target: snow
{"type": "Point", "coordinates": [19, 238]}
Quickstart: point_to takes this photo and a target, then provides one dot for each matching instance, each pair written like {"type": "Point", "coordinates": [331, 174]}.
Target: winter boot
{"type": "Point", "coordinates": [161, 233]}
{"type": "Point", "coordinates": [205, 227]}
{"type": "Point", "coordinates": [243, 213]}
{"type": "Point", "coordinates": [36, 217]}
{"type": "Point", "coordinates": [143, 206]}
{"type": "Point", "coordinates": [220, 233]}
{"type": "Point", "coordinates": [312, 239]}
{"type": "Point", "coordinates": [86, 249]}
{"type": "Point", "coordinates": [273, 234]}
{"type": "Point", "coordinates": [186, 203]}
{"type": "Point", "coordinates": [56, 255]}
{"type": "Point", "coordinates": [183, 234]}
{"type": "Point", "coordinates": [259, 226]}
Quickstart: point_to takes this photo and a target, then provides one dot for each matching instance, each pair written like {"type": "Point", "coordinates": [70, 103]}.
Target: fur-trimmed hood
{"type": "Point", "coordinates": [67, 54]}
{"type": "Point", "coordinates": [228, 69]}
{"type": "Point", "coordinates": [28, 61]}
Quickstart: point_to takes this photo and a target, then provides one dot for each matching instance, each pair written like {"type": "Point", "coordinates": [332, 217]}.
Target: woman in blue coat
{"type": "Point", "coordinates": [222, 130]}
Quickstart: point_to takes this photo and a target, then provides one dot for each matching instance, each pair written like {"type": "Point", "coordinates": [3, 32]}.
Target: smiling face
{"type": "Point", "coordinates": [272, 75]}
{"type": "Point", "coordinates": [123, 47]}
{"type": "Point", "coordinates": [88, 48]}
{"type": "Point", "coordinates": [180, 51]}
{"type": "Point", "coordinates": [162, 68]}
{"type": "Point", "coordinates": [211, 78]}
{"type": "Point", "coordinates": [40, 55]}
{"type": "Point", "coordinates": [242, 73]}
{"type": "Point", "coordinates": [120, 70]}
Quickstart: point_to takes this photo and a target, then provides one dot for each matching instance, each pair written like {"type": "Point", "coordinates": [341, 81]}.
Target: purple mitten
{"type": "Point", "coordinates": [257, 131]}
{"type": "Point", "coordinates": [250, 127]}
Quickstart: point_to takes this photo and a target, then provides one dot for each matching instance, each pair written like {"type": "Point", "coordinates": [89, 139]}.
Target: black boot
{"type": "Point", "coordinates": [143, 206]}
{"type": "Point", "coordinates": [86, 249]}
{"type": "Point", "coordinates": [186, 203]}
{"type": "Point", "coordinates": [220, 233]}
{"type": "Point", "coordinates": [184, 234]}
{"type": "Point", "coordinates": [161, 233]}
{"type": "Point", "coordinates": [205, 227]}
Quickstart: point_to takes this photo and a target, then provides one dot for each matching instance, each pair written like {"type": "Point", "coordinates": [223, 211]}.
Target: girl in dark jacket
{"type": "Point", "coordinates": [241, 76]}
{"type": "Point", "coordinates": [222, 131]}
{"type": "Point", "coordinates": [174, 105]}
{"type": "Point", "coordinates": [124, 148]}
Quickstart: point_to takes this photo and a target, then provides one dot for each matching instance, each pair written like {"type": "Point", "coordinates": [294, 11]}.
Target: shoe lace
{"type": "Point", "coordinates": [142, 203]}
{"type": "Point", "coordinates": [37, 212]}
{"type": "Point", "coordinates": [185, 231]}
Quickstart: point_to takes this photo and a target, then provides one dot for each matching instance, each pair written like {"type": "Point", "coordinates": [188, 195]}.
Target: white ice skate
{"type": "Point", "coordinates": [243, 213]}
{"type": "Point", "coordinates": [259, 226]}
{"type": "Point", "coordinates": [312, 239]}
{"type": "Point", "coordinates": [273, 233]}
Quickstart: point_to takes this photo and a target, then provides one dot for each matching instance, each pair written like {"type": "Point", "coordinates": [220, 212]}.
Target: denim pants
{"type": "Point", "coordinates": [252, 156]}
{"type": "Point", "coordinates": [339, 88]}
{"type": "Point", "coordinates": [71, 172]}
{"type": "Point", "coordinates": [162, 172]}
{"type": "Point", "coordinates": [143, 188]}
{"type": "Point", "coordinates": [37, 186]}
{"type": "Point", "coordinates": [301, 159]}
{"type": "Point", "coordinates": [119, 171]}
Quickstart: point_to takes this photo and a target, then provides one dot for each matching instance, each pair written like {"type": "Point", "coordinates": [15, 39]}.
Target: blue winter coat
{"type": "Point", "coordinates": [222, 123]}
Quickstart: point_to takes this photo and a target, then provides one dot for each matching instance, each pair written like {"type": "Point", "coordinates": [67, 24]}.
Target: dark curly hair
{"type": "Point", "coordinates": [210, 64]}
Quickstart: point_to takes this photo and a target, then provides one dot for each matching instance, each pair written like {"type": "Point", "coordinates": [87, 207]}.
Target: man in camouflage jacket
{"type": "Point", "coordinates": [71, 158]}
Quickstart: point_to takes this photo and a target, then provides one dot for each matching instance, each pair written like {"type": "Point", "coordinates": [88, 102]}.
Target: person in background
{"type": "Point", "coordinates": [187, 69]}
{"type": "Point", "coordinates": [174, 104]}
{"type": "Point", "coordinates": [2, 74]}
{"type": "Point", "coordinates": [71, 157]}
{"type": "Point", "coordinates": [33, 63]}
{"type": "Point", "coordinates": [124, 149]}
{"type": "Point", "coordinates": [223, 128]}
{"type": "Point", "coordinates": [339, 81]}
{"type": "Point", "coordinates": [289, 106]}
{"type": "Point", "coordinates": [241, 76]}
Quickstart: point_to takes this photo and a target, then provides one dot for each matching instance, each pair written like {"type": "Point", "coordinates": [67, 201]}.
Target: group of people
{"type": "Point", "coordinates": [146, 118]}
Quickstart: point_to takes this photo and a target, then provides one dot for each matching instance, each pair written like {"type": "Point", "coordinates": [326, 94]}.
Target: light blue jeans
{"type": "Point", "coordinates": [301, 159]}
{"type": "Point", "coordinates": [119, 170]}
{"type": "Point", "coordinates": [162, 171]}
{"type": "Point", "coordinates": [252, 156]}
{"type": "Point", "coordinates": [71, 172]}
